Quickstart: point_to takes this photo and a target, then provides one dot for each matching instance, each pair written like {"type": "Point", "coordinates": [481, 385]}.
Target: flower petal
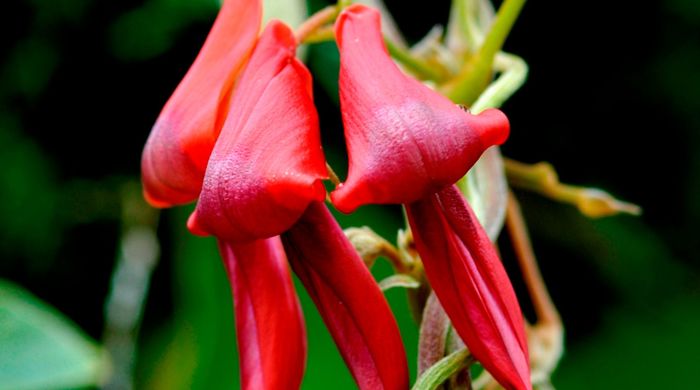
{"type": "Point", "coordinates": [469, 280]}
{"type": "Point", "coordinates": [404, 140]}
{"type": "Point", "coordinates": [180, 142]}
{"type": "Point", "coordinates": [348, 299]}
{"type": "Point", "coordinates": [267, 165]}
{"type": "Point", "coordinates": [269, 323]}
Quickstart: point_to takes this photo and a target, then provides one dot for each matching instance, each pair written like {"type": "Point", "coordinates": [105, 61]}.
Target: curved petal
{"type": "Point", "coordinates": [269, 323]}
{"type": "Point", "coordinates": [178, 148]}
{"type": "Point", "coordinates": [472, 285]}
{"type": "Point", "coordinates": [267, 165]}
{"type": "Point", "coordinates": [349, 300]}
{"type": "Point", "coordinates": [404, 140]}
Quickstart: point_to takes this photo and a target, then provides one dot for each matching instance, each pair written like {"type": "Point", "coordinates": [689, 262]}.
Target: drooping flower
{"type": "Point", "coordinates": [269, 323]}
{"type": "Point", "coordinates": [349, 300]}
{"type": "Point", "coordinates": [472, 285]}
{"type": "Point", "coordinates": [264, 178]}
{"type": "Point", "coordinates": [408, 144]}
{"type": "Point", "coordinates": [178, 148]}
{"type": "Point", "coordinates": [267, 164]}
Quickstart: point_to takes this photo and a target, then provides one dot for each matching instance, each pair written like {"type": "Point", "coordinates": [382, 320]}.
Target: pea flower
{"type": "Point", "coordinates": [178, 148]}
{"type": "Point", "coordinates": [252, 156]}
{"type": "Point", "coordinates": [408, 144]}
{"type": "Point", "coordinates": [264, 179]}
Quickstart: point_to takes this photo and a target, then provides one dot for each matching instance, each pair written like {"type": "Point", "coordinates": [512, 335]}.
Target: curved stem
{"type": "Point", "coordinates": [316, 22]}
{"type": "Point", "coordinates": [544, 307]}
{"type": "Point", "coordinates": [514, 72]}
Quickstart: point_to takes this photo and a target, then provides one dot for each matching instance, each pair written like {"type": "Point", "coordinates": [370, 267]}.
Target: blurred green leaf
{"type": "Point", "coordinates": [30, 67]}
{"type": "Point", "coordinates": [638, 350]}
{"type": "Point", "coordinates": [50, 12]}
{"type": "Point", "coordinates": [28, 196]}
{"type": "Point", "coordinates": [198, 351]}
{"type": "Point", "coordinates": [150, 30]}
{"type": "Point", "coordinates": [40, 348]}
{"type": "Point", "coordinates": [688, 10]}
{"type": "Point", "coordinates": [324, 61]}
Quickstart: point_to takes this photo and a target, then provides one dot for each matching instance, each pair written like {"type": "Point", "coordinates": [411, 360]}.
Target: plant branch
{"type": "Point", "coordinates": [544, 307]}
{"type": "Point", "coordinates": [478, 69]}
{"type": "Point", "coordinates": [543, 179]}
{"type": "Point", "coordinates": [316, 22]}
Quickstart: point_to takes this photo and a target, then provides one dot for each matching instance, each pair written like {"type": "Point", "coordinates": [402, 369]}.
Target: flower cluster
{"type": "Point", "coordinates": [240, 135]}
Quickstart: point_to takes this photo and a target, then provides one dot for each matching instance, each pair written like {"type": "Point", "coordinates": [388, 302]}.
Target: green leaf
{"type": "Point", "coordinates": [655, 348]}
{"type": "Point", "coordinates": [443, 370]}
{"type": "Point", "coordinates": [28, 198]}
{"type": "Point", "coordinates": [151, 29]}
{"type": "Point", "coordinates": [197, 350]}
{"type": "Point", "coordinates": [42, 349]}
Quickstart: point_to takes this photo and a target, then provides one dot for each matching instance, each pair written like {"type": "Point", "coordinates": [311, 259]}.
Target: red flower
{"type": "Point", "coordinates": [404, 140]}
{"type": "Point", "coordinates": [349, 300]}
{"type": "Point", "coordinates": [178, 148]}
{"type": "Point", "coordinates": [471, 284]}
{"type": "Point", "coordinates": [269, 323]}
{"type": "Point", "coordinates": [264, 178]}
{"type": "Point", "coordinates": [408, 144]}
{"type": "Point", "coordinates": [267, 164]}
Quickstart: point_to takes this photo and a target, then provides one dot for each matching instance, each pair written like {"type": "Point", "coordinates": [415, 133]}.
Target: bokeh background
{"type": "Point", "coordinates": [612, 101]}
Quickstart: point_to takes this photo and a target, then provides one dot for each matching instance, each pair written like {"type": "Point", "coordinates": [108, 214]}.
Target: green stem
{"type": "Point", "coordinates": [414, 65]}
{"type": "Point", "coordinates": [444, 370]}
{"type": "Point", "coordinates": [513, 74]}
{"type": "Point", "coordinates": [477, 71]}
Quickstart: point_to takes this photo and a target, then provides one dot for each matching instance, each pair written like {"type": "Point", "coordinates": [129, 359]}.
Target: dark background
{"type": "Point", "coordinates": [611, 101]}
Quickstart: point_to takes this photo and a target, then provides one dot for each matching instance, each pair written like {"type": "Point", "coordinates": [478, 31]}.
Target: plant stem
{"type": "Point", "coordinates": [513, 74]}
{"type": "Point", "coordinates": [322, 34]}
{"type": "Point", "coordinates": [316, 22]}
{"type": "Point", "coordinates": [138, 256]}
{"type": "Point", "coordinates": [542, 302]}
{"type": "Point", "coordinates": [414, 65]}
{"type": "Point", "coordinates": [477, 71]}
{"type": "Point", "coordinates": [543, 179]}
{"type": "Point", "coordinates": [332, 175]}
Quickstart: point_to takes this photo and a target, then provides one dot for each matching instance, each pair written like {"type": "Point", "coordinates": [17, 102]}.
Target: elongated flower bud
{"type": "Point", "coordinates": [269, 324]}
{"type": "Point", "coordinates": [267, 165]}
{"type": "Point", "coordinates": [349, 300]}
{"type": "Point", "coordinates": [176, 153]}
{"type": "Point", "coordinates": [404, 140]}
{"type": "Point", "coordinates": [471, 284]}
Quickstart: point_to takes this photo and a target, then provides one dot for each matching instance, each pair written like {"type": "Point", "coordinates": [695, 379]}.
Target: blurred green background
{"type": "Point", "coordinates": [612, 101]}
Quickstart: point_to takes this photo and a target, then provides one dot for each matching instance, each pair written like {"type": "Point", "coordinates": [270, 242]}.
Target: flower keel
{"type": "Point", "coordinates": [471, 284]}
{"type": "Point", "coordinates": [269, 323]}
{"type": "Point", "coordinates": [348, 299]}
